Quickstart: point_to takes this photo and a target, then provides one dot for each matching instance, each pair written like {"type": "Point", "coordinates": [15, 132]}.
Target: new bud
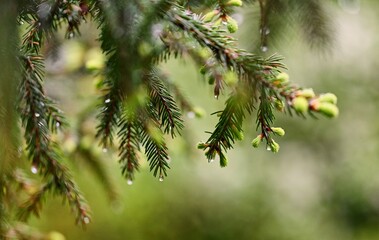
{"type": "Point", "coordinates": [282, 77]}
{"type": "Point", "coordinates": [232, 25]}
{"type": "Point", "coordinates": [307, 93]}
{"type": "Point", "coordinates": [256, 141]}
{"type": "Point", "coordinates": [199, 112]}
{"type": "Point", "coordinates": [328, 97]}
{"type": "Point", "coordinates": [201, 145]}
{"type": "Point", "coordinates": [223, 160]}
{"type": "Point", "coordinates": [209, 16]}
{"type": "Point", "coordinates": [328, 109]}
{"type": "Point", "coordinates": [237, 134]}
{"type": "Point", "coordinates": [274, 146]}
{"type": "Point", "coordinates": [236, 3]}
{"type": "Point", "coordinates": [279, 105]}
{"type": "Point", "coordinates": [230, 78]}
{"type": "Point", "coordinates": [278, 131]}
{"type": "Point", "coordinates": [300, 104]}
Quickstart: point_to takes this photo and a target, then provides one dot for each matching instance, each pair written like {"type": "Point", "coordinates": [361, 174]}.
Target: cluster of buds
{"type": "Point", "coordinates": [219, 16]}
{"type": "Point", "coordinates": [271, 144]}
{"type": "Point", "coordinates": [305, 100]}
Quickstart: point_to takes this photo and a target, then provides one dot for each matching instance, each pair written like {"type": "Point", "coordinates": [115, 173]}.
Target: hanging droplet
{"type": "Point", "coordinates": [57, 124]}
{"type": "Point", "coordinates": [268, 148]}
{"type": "Point", "coordinates": [86, 220]}
{"type": "Point", "coordinates": [130, 182]}
{"type": "Point", "coordinates": [107, 100]}
{"type": "Point", "coordinates": [191, 115]}
{"type": "Point", "coordinates": [264, 48]}
{"type": "Point", "coordinates": [211, 160]}
{"type": "Point", "coordinates": [22, 22]}
{"type": "Point", "coordinates": [161, 178]}
{"type": "Point", "coordinates": [267, 31]}
{"type": "Point", "coordinates": [34, 169]}
{"type": "Point", "coordinates": [37, 114]}
{"type": "Point", "coordinates": [105, 150]}
{"type": "Point", "coordinates": [71, 35]}
{"type": "Point", "coordinates": [216, 96]}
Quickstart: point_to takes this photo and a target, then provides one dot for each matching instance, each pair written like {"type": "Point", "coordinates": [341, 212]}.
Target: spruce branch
{"type": "Point", "coordinates": [129, 135]}
{"type": "Point", "coordinates": [154, 144]}
{"type": "Point", "coordinates": [168, 112]}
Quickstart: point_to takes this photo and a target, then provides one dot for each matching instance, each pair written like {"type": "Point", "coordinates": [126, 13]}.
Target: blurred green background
{"type": "Point", "coordinates": [323, 184]}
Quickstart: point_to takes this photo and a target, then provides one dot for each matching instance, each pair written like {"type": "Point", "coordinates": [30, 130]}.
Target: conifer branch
{"type": "Point", "coordinates": [129, 135]}
{"type": "Point", "coordinates": [168, 113]}
{"type": "Point", "coordinates": [154, 144]}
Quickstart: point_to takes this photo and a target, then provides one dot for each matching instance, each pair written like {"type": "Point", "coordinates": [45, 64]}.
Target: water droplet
{"type": "Point", "coordinates": [211, 160]}
{"type": "Point", "coordinates": [71, 35]}
{"type": "Point", "coordinates": [130, 182]}
{"type": "Point", "coordinates": [107, 100]}
{"type": "Point", "coordinates": [216, 96]}
{"type": "Point", "coordinates": [37, 114]}
{"type": "Point", "coordinates": [105, 150]}
{"type": "Point", "coordinates": [268, 148]}
{"type": "Point", "coordinates": [267, 31]}
{"type": "Point", "coordinates": [86, 220]}
{"type": "Point", "coordinates": [161, 178]}
{"type": "Point", "coordinates": [34, 169]}
{"type": "Point", "coordinates": [22, 22]}
{"type": "Point", "coordinates": [225, 23]}
{"type": "Point", "coordinates": [57, 124]}
{"type": "Point", "coordinates": [264, 48]}
{"type": "Point", "coordinates": [191, 115]}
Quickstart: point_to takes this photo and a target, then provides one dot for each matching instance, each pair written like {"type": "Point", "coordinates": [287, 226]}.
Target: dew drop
{"type": "Point", "coordinates": [71, 35]}
{"type": "Point", "coordinates": [105, 150]}
{"type": "Point", "coordinates": [268, 148]}
{"type": "Point", "coordinates": [34, 169]}
{"type": "Point", "coordinates": [37, 114]}
{"type": "Point", "coordinates": [191, 115]}
{"type": "Point", "coordinates": [107, 100]}
{"type": "Point", "coordinates": [264, 48]}
{"type": "Point", "coordinates": [216, 96]}
{"type": "Point", "coordinates": [86, 220]}
{"type": "Point", "coordinates": [21, 22]}
{"type": "Point", "coordinates": [161, 178]}
{"type": "Point", "coordinates": [211, 160]}
{"type": "Point", "coordinates": [267, 31]}
{"type": "Point", "coordinates": [57, 124]}
{"type": "Point", "coordinates": [130, 182]}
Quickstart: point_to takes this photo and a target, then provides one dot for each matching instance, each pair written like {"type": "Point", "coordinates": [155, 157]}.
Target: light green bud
{"type": "Point", "coordinates": [300, 104]}
{"type": "Point", "coordinates": [55, 236]}
{"type": "Point", "coordinates": [201, 145]}
{"type": "Point", "coordinates": [274, 146]}
{"type": "Point", "coordinates": [223, 160]}
{"type": "Point", "coordinates": [237, 134]}
{"type": "Point", "coordinates": [232, 25]}
{"type": "Point", "coordinates": [328, 109]}
{"type": "Point", "coordinates": [328, 97]}
{"type": "Point", "coordinates": [307, 93]}
{"type": "Point", "coordinates": [209, 16]}
{"type": "Point", "coordinates": [230, 78]}
{"type": "Point", "coordinates": [279, 105]}
{"type": "Point", "coordinates": [236, 3]}
{"type": "Point", "coordinates": [256, 141]}
{"type": "Point", "coordinates": [199, 112]}
{"type": "Point", "coordinates": [278, 131]}
{"type": "Point", "coordinates": [282, 77]}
